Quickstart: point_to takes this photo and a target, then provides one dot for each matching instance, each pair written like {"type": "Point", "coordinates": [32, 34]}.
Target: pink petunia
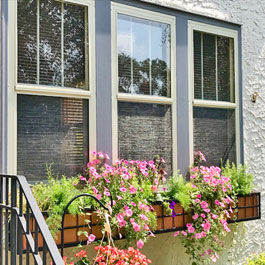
{"type": "Point", "coordinates": [128, 212]}
{"type": "Point", "coordinates": [176, 234]}
{"type": "Point", "coordinates": [91, 238]}
{"type": "Point", "coordinates": [204, 204]}
{"type": "Point", "coordinates": [140, 243]}
{"type": "Point", "coordinates": [123, 189]}
{"type": "Point", "coordinates": [195, 216]}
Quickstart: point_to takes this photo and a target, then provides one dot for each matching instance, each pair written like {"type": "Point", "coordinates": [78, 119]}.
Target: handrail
{"type": "Point", "coordinates": [29, 225]}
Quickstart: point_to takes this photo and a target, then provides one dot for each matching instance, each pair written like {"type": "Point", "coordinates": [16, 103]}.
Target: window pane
{"type": "Point", "coordinates": [213, 67]}
{"type": "Point", "coordinates": [60, 57]}
{"type": "Point", "coordinates": [27, 41]}
{"type": "Point", "coordinates": [214, 134]}
{"type": "Point", "coordinates": [145, 131]}
{"type": "Point", "coordinates": [50, 43]}
{"type": "Point", "coordinates": [51, 130]}
{"type": "Point", "coordinates": [225, 69]}
{"type": "Point", "coordinates": [143, 56]}
{"type": "Point", "coordinates": [209, 67]}
{"type": "Point", "coordinates": [75, 45]}
{"type": "Point", "coordinates": [197, 65]}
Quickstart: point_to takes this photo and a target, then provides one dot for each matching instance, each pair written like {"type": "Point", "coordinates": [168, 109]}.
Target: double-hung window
{"type": "Point", "coordinates": [144, 92]}
{"type": "Point", "coordinates": [52, 88]}
{"type": "Point", "coordinates": [214, 92]}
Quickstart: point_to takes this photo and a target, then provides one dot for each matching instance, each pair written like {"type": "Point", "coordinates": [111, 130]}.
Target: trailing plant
{"type": "Point", "coordinates": [256, 259]}
{"type": "Point", "coordinates": [129, 187]}
{"type": "Point", "coordinates": [53, 196]}
{"type": "Point", "coordinates": [241, 180]}
{"type": "Point", "coordinates": [211, 206]}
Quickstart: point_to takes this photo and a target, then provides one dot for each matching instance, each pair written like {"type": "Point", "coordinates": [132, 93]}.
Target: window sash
{"type": "Point", "coordinates": [89, 60]}
{"type": "Point", "coordinates": [138, 98]}
{"type": "Point", "coordinates": [222, 31]}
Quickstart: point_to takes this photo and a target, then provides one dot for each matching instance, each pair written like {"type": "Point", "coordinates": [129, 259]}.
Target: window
{"type": "Point", "coordinates": [214, 89]}
{"type": "Point", "coordinates": [54, 120]}
{"type": "Point", "coordinates": [144, 92]}
{"type": "Point", "coordinates": [52, 43]}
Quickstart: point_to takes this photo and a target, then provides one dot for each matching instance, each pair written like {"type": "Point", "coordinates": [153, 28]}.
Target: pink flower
{"type": "Point", "coordinates": [128, 212]}
{"type": "Point", "coordinates": [214, 216]}
{"type": "Point", "coordinates": [206, 226]}
{"type": "Point", "coordinates": [199, 196]}
{"type": "Point", "coordinates": [91, 238]}
{"type": "Point", "coordinates": [203, 215]}
{"type": "Point", "coordinates": [184, 233]}
{"type": "Point", "coordinates": [140, 243]}
{"type": "Point", "coordinates": [176, 234]}
{"type": "Point", "coordinates": [193, 186]}
{"type": "Point", "coordinates": [133, 204]}
{"type": "Point", "coordinates": [197, 200]}
{"type": "Point", "coordinates": [195, 216]}
{"type": "Point", "coordinates": [123, 223]}
{"type": "Point", "coordinates": [119, 197]}
{"type": "Point", "coordinates": [143, 217]}
{"type": "Point", "coordinates": [98, 196]}
{"type": "Point", "coordinates": [122, 189]}
{"type": "Point", "coordinates": [198, 235]}
{"type": "Point", "coordinates": [203, 234]}
{"type": "Point", "coordinates": [207, 210]}
{"type": "Point", "coordinates": [136, 227]}
{"type": "Point", "coordinates": [133, 190]}
{"type": "Point", "coordinates": [106, 193]}
{"type": "Point", "coordinates": [120, 218]}
{"type": "Point", "coordinates": [146, 227]}
{"type": "Point", "coordinates": [191, 229]}
{"type": "Point", "coordinates": [204, 204]}
{"type": "Point", "coordinates": [192, 176]}
{"type": "Point", "coordinates": [217, 202]}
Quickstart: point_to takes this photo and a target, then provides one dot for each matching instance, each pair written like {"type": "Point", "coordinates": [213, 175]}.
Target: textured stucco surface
{"type": "Point", "coordinates": [251, 15]}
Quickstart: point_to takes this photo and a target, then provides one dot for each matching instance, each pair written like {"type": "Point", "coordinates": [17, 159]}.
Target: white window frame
{"type": "Point", "coordinates": [216, 30]}
{"type": "Point", "coordinates": [118, 96]}
{"type": "Point", "coordinates": [15, 88]}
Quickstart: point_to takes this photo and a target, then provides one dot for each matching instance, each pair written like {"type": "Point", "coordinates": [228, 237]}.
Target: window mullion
{"type": "Point", "coordinates": [202, 63]}
{"type": "Point", "coordinates": [150, 63]}
{"type": "Point", "coordinates": [216, 68]}
{"type": "Point", "coordinates": [38, 42]}
{"type": "Point", "coordinates": [131, 53]}
{"type": "Point", "coordinates": [62, 43]}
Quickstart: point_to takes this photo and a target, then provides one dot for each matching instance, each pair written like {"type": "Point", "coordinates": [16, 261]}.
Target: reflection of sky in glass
{"type": "Point", "coordinates": [143, 34]}
{"type": "Point", "coordinates": [144, 56]}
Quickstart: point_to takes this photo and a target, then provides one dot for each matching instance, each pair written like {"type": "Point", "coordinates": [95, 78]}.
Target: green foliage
{"type": "Point", "coordinates": [256, 260]}
{"type": "Point", "coordinates": [179, 190]}
{"type": "Point", "coordinates": [241, 180]}
{"type": "Point", "coordinates": [52, 197]}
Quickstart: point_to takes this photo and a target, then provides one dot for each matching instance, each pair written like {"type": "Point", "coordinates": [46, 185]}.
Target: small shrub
{"type": "Point", "coordinates": [256, 260]}
{"type": "Point", "coordinates": [241, 180]}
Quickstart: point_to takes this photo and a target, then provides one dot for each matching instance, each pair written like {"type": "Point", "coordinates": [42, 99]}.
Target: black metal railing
{"type": "Point", "coordinates": [17, 207]}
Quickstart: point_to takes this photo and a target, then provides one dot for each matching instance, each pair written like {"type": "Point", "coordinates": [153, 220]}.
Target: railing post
{"type": "Point", "coordinates": [1, 222]}
{"type": "Point", "coordinates": [13, 232]}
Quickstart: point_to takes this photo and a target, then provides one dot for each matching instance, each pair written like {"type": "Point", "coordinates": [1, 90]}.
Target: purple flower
{"type": "Point", "coordinates": [173, 214]}
{"type": "Point", "coordinates": [172, 205]}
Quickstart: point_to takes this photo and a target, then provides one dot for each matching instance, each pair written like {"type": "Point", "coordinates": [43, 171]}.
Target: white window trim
{"type": "Point", "coordinates": [117, 96]}
{"type": "Point", "coordinates": [192, 26]}
{"type": "Point", "coordinates": [15, 88]}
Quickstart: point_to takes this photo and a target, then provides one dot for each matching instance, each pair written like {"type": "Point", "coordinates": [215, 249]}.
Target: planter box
{"type": "Point", "coordinates": [248, 208]}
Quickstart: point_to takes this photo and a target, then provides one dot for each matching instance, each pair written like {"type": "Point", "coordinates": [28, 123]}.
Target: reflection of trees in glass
{"type": "Point", "coordinates": [27, 41]}
{"type": "Point", "coordinates": [137, 80]}
{"type": "Point", "coordinates": [74, 46]}
{"type": "Point", "coordinates": [57, 52]}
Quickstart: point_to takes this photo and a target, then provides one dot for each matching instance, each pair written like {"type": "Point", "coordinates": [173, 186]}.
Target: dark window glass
{"type": "Point", "coordinates": [213, 67]}
{"type": "Point", "coordinates": [143, 56]}
{"type": "Point", "coordinates": [27, 41]}
{"type": "Point", "coordinates": [52, 43]}
{"type": "Point", "coordinates": [144, 131]}
{"type": "Point", "coordinates": [214, 134]}
{"type": "Point", "coordinates": [51, 130]}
